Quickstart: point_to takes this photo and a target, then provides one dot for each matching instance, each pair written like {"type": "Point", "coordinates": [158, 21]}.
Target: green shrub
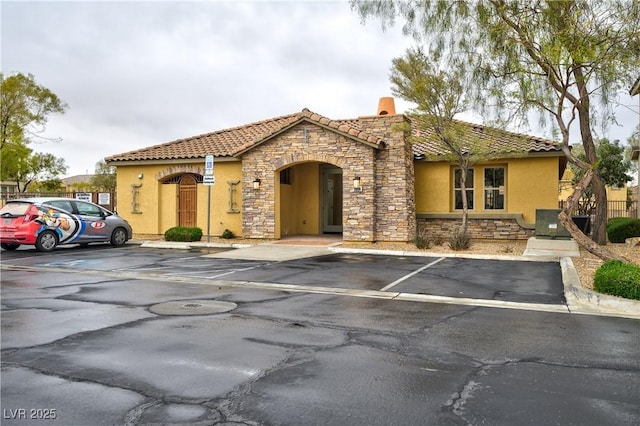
{"type": "Point", "coordinates": [621, 228]}
{"type": "Point", "coordinates": [423, 241]}
{"type": "Point", "coordinates": [614, 220]}
{"type": "Point", "coordinates": [618, 279]}
{"type": "Point", "coordinates": [227, 235]}
{"type": "Point", "coordinates": [459, 240]}
{"type": "Point", "coordinates": [183, 233]}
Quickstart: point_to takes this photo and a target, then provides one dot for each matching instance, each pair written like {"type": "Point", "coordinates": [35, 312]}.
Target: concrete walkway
{"type": "Point", "coordinates": [272, 252]}
{"type": "Point", "coordinates": [550, 247]}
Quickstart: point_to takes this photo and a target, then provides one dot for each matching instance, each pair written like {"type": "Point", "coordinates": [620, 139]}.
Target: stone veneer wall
{"type": "Point", "coordinates": [303, 143]}
{"type": "Point", "coordinates": [480, 228]}
{"type": "Point", "coordinates": [395, 180]}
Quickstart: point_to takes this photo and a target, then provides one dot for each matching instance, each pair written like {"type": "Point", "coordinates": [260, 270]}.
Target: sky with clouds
{"type": "Point", "coordinates": [136, 74]}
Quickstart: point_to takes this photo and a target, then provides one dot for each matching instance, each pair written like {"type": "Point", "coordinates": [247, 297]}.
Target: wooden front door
{"type": "Point", "coordinates": [187, 201]}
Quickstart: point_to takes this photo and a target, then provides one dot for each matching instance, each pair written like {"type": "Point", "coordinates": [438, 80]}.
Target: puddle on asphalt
{"type": "Point", "coordinates": [192, 307]}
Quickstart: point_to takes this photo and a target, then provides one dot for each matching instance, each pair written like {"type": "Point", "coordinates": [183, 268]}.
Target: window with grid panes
{"type": "Point", "coordinates": [494, 189]}
{"type": "Point", "coordinates": [457, 191]}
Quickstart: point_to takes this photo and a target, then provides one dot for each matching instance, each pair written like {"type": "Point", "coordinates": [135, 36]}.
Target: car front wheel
{"type": "Point", "coordinates": [118, 237]}
{"type": "Point", "coordinates": [46, 241]}
{"type": "Point", "coordinates": [9, 246]}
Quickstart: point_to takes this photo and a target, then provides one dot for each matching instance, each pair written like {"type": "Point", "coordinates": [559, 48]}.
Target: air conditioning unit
{"type": "Point", "coordinates": [548, 225]}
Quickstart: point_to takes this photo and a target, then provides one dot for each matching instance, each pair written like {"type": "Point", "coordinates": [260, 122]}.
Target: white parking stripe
{"type": "Point", "coordinates": [398, 281]}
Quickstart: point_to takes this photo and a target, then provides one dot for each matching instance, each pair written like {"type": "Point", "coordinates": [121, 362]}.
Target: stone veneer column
{"type": "Point", "coordinates": [395, 216]}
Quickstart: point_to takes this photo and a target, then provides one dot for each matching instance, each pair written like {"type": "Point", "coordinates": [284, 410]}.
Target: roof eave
{"type": "Point", "coordinates": [494, 157]}
{"type": "Point", "coordinates": [117, 163]}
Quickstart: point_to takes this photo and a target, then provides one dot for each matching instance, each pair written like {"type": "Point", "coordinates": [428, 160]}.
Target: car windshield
{"type": "Point", "coordinates": [15, 209]}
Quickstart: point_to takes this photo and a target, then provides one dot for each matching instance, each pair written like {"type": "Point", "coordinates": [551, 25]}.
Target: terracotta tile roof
{"type": "Point", "coordinates": [236, 140]}
{"type": "Point", "coordinates": [499, 141]}
{"type": "Point", "coordinates": [220, 143]}
{"type": "Point", "coordinates": [347, 128]}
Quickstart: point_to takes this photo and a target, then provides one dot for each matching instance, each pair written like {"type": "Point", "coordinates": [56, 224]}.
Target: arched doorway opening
{"type": "Point", "coordinates": [310, 199]}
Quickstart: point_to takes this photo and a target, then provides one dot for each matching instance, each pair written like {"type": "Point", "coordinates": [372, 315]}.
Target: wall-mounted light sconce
{"type": "Point", "coordinates": [256, 183]}
{"type": "Point", "coordinates": [140, 176]}
{"type": "Point", "coordinates": [357, 186]}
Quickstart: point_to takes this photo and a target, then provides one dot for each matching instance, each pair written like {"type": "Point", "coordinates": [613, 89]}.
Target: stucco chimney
{"type": "Point", "coordinates": [386, 106]}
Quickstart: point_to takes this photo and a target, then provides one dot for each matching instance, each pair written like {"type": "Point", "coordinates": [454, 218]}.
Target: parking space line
{"type": "Point", "coordinates": [417, 271]}
{"type": "Point", "coordinates": [224, 274]}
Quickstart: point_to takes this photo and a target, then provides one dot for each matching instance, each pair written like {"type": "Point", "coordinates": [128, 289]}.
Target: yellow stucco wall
{"type": "Point", "coordinates": [566, 188]}
{"type": "Point", "coordinates": [434, 189]}
{"type": "Point", "coordinates": [157, 208]}
{"type": "Point", "coordinates": [531, 183]}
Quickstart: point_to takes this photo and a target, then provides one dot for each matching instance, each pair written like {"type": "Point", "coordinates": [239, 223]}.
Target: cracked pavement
{"type": "Point", "coordinates": [78, 337]}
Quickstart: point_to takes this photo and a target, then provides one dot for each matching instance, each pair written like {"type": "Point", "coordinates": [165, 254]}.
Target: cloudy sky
{"type": "Point", "coordinates": [142, 73]}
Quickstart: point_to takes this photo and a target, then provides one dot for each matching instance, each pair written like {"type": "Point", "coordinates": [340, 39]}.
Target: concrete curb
{"type": "Point", "coordinates": [186, 245]}
{"type": "Point", "coordinates": [584, 301]}
{"type": "Point", "coordinates": [434, 254]}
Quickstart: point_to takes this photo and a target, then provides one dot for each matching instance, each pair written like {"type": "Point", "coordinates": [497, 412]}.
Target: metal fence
{"type": "Point", "coordinates": [614, 209]}
{"type": "Point", "coordinates": [106, 199]}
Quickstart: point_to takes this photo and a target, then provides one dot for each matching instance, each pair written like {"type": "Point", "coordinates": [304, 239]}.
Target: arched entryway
{"type": "Point", "coordinates": [310, 199]}
{"type": "Point", "coordinates": [187, 201]}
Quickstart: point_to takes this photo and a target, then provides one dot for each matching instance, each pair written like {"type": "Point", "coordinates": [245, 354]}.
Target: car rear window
{"type": "Point", "coordinates": [14, 209]}
{"type": "Point", "coordinates": [62, 204]}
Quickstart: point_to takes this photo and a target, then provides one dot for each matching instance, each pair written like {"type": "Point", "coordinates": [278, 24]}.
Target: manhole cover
{"type": "Point", "coordinates": [192, 307]}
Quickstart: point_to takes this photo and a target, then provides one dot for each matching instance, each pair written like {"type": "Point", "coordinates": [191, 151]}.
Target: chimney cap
{"type": "Point", "coordinates": [386, 106]}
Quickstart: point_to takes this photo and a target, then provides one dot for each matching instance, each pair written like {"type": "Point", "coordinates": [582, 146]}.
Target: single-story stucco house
{"type": "Point", "coordinates": [306, 174]}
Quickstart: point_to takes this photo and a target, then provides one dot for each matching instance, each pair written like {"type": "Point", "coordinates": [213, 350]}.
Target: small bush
{"type": "Point", "coordinates": [618, 279]}
{"type": "Point", "coordinates": [621, 228]}
{"type": "Point", "coordinates": [227, 235]}
{"type": "Point", "coordinates": [438, 240]}
{"type": "Point", "coordinates": [182, 233]}
{"type": "Point", "coordinates": [423, 241]}
{"type": "Point", "coordinates": [459, 240]}
{"type": "Point", "coordinates": [507, 249]}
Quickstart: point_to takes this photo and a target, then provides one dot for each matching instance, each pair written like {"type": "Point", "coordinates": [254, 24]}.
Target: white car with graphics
{"type": "Point", "coordinates": [46, 222]}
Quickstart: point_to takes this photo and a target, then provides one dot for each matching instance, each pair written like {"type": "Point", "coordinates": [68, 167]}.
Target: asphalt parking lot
{"type": "Point", "coordinates": [513, 281]}
{"type": "Point", "coordinates": [532, 282]}
{"type": "Point", "coordinates": [135, 336]}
